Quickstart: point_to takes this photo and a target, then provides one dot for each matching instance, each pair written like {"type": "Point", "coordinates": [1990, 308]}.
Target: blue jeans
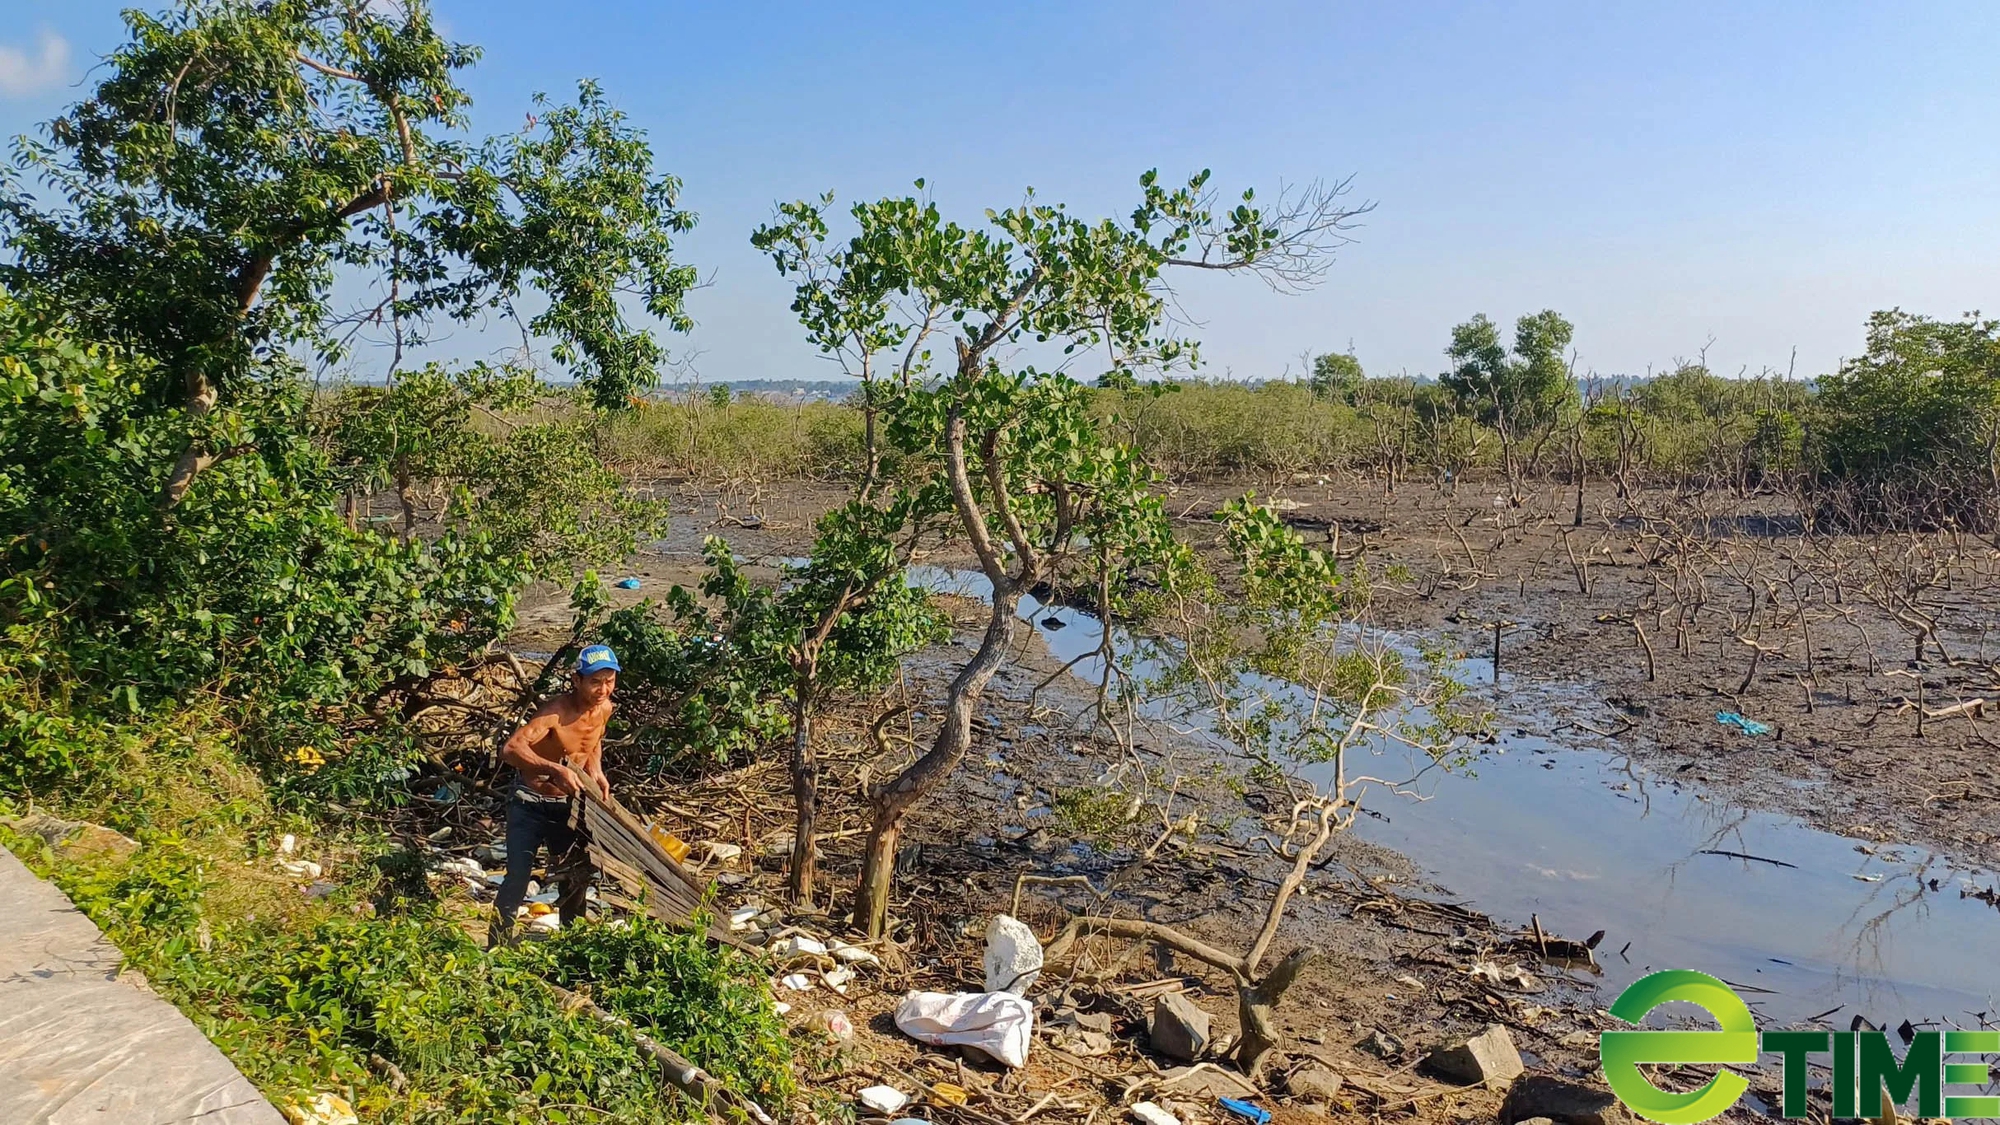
{"type": "Point", "coordinates": [531, 824]}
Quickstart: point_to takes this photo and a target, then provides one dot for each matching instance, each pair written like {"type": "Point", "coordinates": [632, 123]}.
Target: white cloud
{"type": "Point", "coordinates": [22, 74]}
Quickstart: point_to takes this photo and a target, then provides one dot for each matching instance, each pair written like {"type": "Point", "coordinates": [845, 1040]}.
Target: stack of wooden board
{"type": "Point", "coordinates": [639, 874]}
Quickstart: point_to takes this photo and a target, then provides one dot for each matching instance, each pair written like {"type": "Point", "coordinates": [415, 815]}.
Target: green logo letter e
{"type": "Point", "coordinates": [1623, 1051]}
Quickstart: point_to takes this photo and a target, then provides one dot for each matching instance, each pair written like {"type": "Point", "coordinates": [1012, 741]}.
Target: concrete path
{"type": "Point", "coordinates": [79, 1043]}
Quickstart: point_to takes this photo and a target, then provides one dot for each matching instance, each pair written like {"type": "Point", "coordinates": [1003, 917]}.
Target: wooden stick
{"type": "Point", "coordinates": [700, 1084]}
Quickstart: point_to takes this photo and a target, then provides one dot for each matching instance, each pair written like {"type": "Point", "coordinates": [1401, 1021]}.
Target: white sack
{"type": "Point", "coordinates": [998, 1023]}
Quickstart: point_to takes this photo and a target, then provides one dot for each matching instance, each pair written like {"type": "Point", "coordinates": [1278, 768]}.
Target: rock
{"type": "Point", "coordinates": [1099, 1022]}
{"type": "Point", "coordinates": [1205, 1082]}
{"type": "Point", "coordinates": [1561, 1101]}
{"type": "Point", "coordinates": [1488, 1059]}
{"type": "Point", "coordinates": [884, 1099]}
{"type": "Point", "coordinates": [1314, 1081]}
{"type": "Point", "coordinates": [1146, 1113]}
{"type": "Point", "coordinates": [73, 838]}
{"type": "Point", "coordinates": [1383, 1045]}
{"type": "Point", "coordinates": [1013, 956]}
{"type": "Point", "coordinates": [1179, 1029]}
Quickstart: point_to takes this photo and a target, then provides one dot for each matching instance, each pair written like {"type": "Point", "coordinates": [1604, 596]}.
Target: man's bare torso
{"type": "Point", "coordinates": [577, 740]}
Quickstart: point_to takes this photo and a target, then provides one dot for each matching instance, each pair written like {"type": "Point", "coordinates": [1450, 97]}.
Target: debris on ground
{"type": "Point", "coordinates": [836, 1024]}
{"type": "Point", "coordinates": [1559, 1100]}
{"type": "Point", "coordinates": [1748, 726]}
{"type": "Point", "coordinates": [1179, 1029]}
{"type": "Point", "coordinates": [324, 1109]}
{"type": "Point", "coordinates": [1146, 1113]}
{"type": "Point", "coordinates": [997, 1024]}
{"type": "Point", "coordinates": [1314, 1081]}
{"type": "Point", "coordinates": [1513, 976]}
{"type": "Point", "coordinates": [1256, 1115]}
{"type": "Point", "coordinates": [627, 583]}
{"type": "Point", "coordinates": [883, 1099]}
{"type": "Point", "coordinates": [1487, 1059]}
{"type": "Point", "coordinates": [1013, 956]}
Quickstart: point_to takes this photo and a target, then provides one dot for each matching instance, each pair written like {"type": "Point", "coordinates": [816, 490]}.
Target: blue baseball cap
{"type": "Point", "coordinates": [597, 658]}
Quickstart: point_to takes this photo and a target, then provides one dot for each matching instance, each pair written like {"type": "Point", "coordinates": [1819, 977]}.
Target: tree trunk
{"type": "Point", "coordinates": [954, 737]}
{"type": "Point", "coordinates": [1257, 1012]}
{"type": "Point", "coordinates": [805, 796]}
{"type": "Point", "coordinates": [407, 498]}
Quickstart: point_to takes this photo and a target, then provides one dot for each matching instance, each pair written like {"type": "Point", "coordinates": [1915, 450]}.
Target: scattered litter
{"type": "Point", "coordinates": [446, 794]}
{"type": "Point", "coordinates": [494, 853]}
{"type": "Point", "coordinates": [627, 583]}
{"type": "Point", "coordinates": [999, 1024]}
{"type": "Point", "coordinates": [1013, 956]}
{"type": "Point", "coordinates": [778, 1006]}
{"type": "Point", "coordinates": [537, 909]}
{"type": "Point", "coordinates": [1149, 1114]}
{"type": "Point", "coordinates": [464, 867]}
{"type": "Point", "coordinates": [545, 923]}
{"type": "Point", "coordinates": [1511, 975]}
{"type": "Point", "coordinates": [838, 980]}
{"type": "Point", "coordinates": [287, 844]}
{"type": "Point", "coordinates": [719, 852]}
{"type": "Point", "coordinates": [1580, 1040]}
{"type": "Point", "coordinates": [834, 1022]}
{"type": "Point", "coordinates": [1084, 1044]}
{"type": "Point", "coordinates": [1748, 726]}
{"type": "Point", "coordinates": [673, 845]}
{"type": "Point", "coordinates": [798, 945]}
{"type": "Point", "coordinates": [1243, 1109]}
{"type": "Point", "coordinates": [1868, 878]}
{"type": "Point", "coordinates": [798, 982]}
{"type": "Point", "coordinates": [744, 917]}
{"type": "Point", "coordinates": [884, 1099]}
{"type": "Point", "coordinates": [325, 1109]}
{"type": "Point", "coordinates": [946, 1093]}
{"type": "Point", "coordinates": [300, 868]}
{"type": "Point", "coordinates": [1409, 981]}
{"type": "Point", "coordinates": [854, 954]}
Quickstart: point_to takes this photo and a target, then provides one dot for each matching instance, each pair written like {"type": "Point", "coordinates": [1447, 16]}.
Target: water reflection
{"type": "Point", "coordinates": [1552, 821]}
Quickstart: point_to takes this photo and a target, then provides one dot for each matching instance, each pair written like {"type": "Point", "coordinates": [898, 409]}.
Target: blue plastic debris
{"type": "Point", "coordinates": [1255, 1114]}
{"type": "Point", "coordinates": [627, 583]}
{"type": "Point", "coordinates": [1747, 726]}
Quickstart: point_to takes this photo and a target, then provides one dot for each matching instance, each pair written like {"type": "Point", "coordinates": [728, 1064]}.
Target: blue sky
{"type": "Point", "coordinates": [1761, 175]}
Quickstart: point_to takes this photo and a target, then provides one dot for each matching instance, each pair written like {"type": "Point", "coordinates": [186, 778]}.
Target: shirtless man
{"type": "Point", "coordinates": [555, 756]}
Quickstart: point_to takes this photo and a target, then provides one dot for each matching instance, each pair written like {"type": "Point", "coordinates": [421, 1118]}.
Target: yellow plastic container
{"type": "Point", "coordinates": [537, 909]}
{"type": "Point", "coordinates": [948, 1094]}
{"type": "Point", "coordinates": [670, 842]}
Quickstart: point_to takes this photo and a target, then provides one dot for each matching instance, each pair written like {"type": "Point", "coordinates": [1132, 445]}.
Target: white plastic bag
{"type": "Point", "coordinates": [999, 1023]}
{"type": "Point", "coordinates": [1013, 956]}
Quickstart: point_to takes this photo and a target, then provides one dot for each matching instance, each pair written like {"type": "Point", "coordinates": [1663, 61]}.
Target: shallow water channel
{"type": "Point", "coordinates": [1568, 830]}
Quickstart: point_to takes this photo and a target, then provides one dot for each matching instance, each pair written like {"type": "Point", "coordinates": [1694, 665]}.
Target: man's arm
{"type": "Point", "coordinates": [519, 752]}
{"type": "Point", "coordinates": [594, 758]}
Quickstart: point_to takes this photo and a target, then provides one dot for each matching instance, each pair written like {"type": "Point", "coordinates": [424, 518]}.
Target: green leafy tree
{"type": "Point", "coordinates": [1520, 394]}
{"type": "Point", "coordinates": [1907, 433]}
{"type": "Point", "coordinates": [238, 158]}
{"type": "Point", "coordinates": [1336, 377]}
{"type": "Point", "coordinates": [1009, 451]}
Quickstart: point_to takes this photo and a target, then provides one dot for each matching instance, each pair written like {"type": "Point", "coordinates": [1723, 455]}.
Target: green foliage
{"type": "Point", "coordinates": [236, 158]}
{"type": "Point", "coordinates": [1514, 392]}
{"type": "Point", "coordinates": [1907, 432]}
{"type": "Point", "coordinates": [1093, 813]}
{"type": "Point", "coordinates": [710, 1002]}
{"type": "Point", "coordinates": [244, 585]}
{"type": "Point", "coordinates": [1336, 377]}
{"type": "Point", "coordinates": [711, 678]}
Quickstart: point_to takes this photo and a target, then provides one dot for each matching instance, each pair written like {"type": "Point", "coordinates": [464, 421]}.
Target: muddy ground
{"type": "Point", "coordinates": [1709, 582]}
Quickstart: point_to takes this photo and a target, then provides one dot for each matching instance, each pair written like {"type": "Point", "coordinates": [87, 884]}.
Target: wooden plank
{"type": "Point", "coordinates": [624, 848]}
